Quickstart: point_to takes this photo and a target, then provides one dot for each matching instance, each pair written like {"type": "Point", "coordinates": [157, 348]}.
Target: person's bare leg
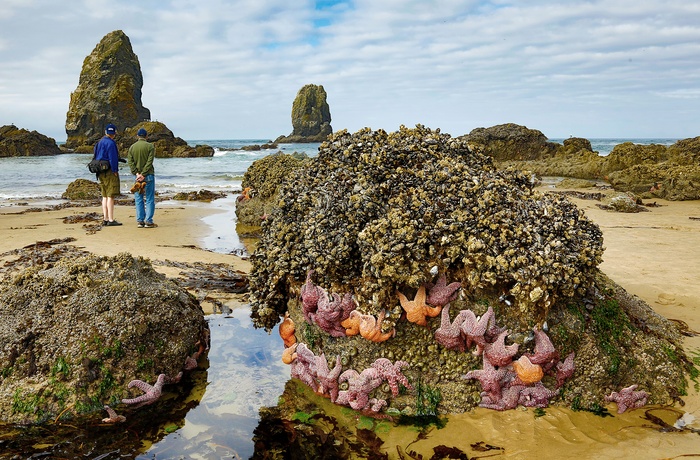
{"type": "Point", "coordinates": [110, 208]}
{"type": "Point", "coordinates": [105, 209]}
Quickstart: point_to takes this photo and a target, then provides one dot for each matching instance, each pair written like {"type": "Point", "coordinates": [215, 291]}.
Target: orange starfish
{"type": "Point", "coordinates": [289, 354]}
{"type": "Point", "coordinates": [417, 309]}
{"type": "Point", "coordinates": [527, 372]}
{"type": "Point", "coordinates": [352, 324]}
{"type": "Point", "coordinates": [371, 328]}
{"type": "Point", "coordinates": [286, 331]}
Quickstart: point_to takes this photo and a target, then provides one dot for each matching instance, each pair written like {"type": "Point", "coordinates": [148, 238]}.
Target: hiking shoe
{"type": "Point", "coordinates": [140, 224]}
{"type": "Point", "coordinates": [113, 223]}
{"type": "Point", "coordinates": [151, 225]}
{"type": "Point", "coordinates": [104, 223]}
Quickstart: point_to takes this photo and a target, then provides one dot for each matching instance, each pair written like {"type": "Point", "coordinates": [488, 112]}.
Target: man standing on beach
{"type": "Point", "coordinates": [106, 149]}
{"type": "Point", "coordinates": [140, 159]}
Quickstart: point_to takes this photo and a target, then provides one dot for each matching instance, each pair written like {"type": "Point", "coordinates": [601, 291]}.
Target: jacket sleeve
{"type": "Point", "coordinates": [114, 157]}
{"type": "Point", "coordinates": [149, 159]}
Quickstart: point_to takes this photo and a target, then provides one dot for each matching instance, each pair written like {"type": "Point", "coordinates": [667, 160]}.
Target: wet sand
{"type": "Point", "coordinates": [654, 255]}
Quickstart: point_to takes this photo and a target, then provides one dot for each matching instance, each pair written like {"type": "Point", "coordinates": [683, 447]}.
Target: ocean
{"type": "Point", "coordinates": [46, 178]}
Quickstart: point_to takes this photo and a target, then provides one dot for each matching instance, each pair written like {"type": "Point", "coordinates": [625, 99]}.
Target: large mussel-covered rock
{"type": "Point", "coordinates": [403, 262]}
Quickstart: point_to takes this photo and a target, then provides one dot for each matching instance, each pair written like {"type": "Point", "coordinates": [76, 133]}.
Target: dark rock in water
{"type": "Point", "coordinates": [202, 195]}
{"type": "Point", "coordinates": [311, 116]}
{"type": "Point", "coordinates": [17, 142]}
{"type": "Point", "coordinates": [511, 142]}
{"type": "Point", "coordinates": [164, 141]}
{"type": "Point", "coordinates": [82, 189]}
{"type": "Point", "coordinates": [260, 183]}
{"type": "Point", "coordinates": [366, 244]}
{"type": "Point", "coordinates": [109, 91]}
{"type": "Point", "coordinates": [77, 328]}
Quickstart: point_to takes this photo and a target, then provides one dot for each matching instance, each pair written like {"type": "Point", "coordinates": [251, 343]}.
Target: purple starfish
{"type": "Point", "coordinates": [628, 398]}
{"type": "Point", "coordinates": [328, 379]}
{"type": "Point", "coordinates": [331, 312]}
{"type": "Point", "coordinates": [151, 392]}
{"type": "Point", "coordinates": [304, 366]}
{"type": "Point", "coordinates": [449, 334]}
{"type": "Point", "coordinates": [310, 295]}
{"type": "Point", "coordinates": [474, 328]}
{"type": "Point", "coordinates": [508, 400]}
{"type": "Point", "coordinates": [392, 374]}
{"type": "Point", "coordinates": [565, 369]}
{"type": "Point", "coordinates": [536, 395]}
{"type": "Point", "coordinates": [441, 293]}
{"type": "Point", "coordinates": [545, 354]}
{"type": "Point", "coordinates": [498, 353]}
{"type": "Point", "coordinates": [491, 379]}
{"type": "Point", "coordinates": [359, 388]}
{"type": "Point", "coordinates": [113, 416]}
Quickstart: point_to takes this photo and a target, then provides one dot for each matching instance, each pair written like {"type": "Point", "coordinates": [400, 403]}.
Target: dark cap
{"type": "Point", "coordinates": [142, 133]}
{"type": "Point", "coordinates": [111, 129]}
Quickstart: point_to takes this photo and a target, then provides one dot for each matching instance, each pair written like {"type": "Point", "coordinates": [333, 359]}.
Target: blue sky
{"type": "Point", "coordinates": [231, 69]}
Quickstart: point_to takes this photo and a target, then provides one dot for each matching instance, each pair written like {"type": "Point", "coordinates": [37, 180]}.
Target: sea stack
{"type": "Point", "coordinates": [109, 91]}
{"type": "Point", "coordinates": [311, 116]}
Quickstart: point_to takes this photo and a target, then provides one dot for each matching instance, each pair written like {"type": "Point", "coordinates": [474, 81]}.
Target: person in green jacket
{"type": "Point", "coordinates": [140, 160]}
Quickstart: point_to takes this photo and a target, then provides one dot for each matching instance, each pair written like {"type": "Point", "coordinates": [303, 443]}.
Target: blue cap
{"type": "Point", "coordinates": [142, 133]}
{"type": "Point", "coordinates": [111, 129]}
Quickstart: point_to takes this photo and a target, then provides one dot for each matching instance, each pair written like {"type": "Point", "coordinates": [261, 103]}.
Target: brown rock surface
{"type": "Point", "coordinates": [17, 142]}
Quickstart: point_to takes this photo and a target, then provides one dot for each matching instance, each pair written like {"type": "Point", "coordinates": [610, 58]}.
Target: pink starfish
{"type": "Point", "coordinates": [392, 374]}
{"type": "Point", "coordinates": [474, 328]}
{"type": "Point", "coordinates": [536, 395]}
{"type": "Point", "coordinates": [491, 379]}
{"type": "Point", "coordinates": [331, 312]}
{"type": "Point", "coordinates": [545, 354]}
{"type": "Point", "coordinates": [360, 386]}
{"type": "Point", "coordinates": [498, 353]}
{"type": "Point", "coordinates": [441, 293]}
{"type": "Point", "coordinates": [508, 400]}
{"type": "Point", "coordinates": [304, 366]}
{"type": "Point", "coordinates": [328, 379]}
{"type": "Point", "coordinates": [449, 334]}
{"type": "Point", "coordinates": [628, 398]}
{"type": "Point", "coordinates": [310, 295]}
{"type": "Point", "coordinates": [565, 369]}
{"type": "Point", "coordinates": [151, 392]}
{"type": "Point", "coordinates": [113, 416]}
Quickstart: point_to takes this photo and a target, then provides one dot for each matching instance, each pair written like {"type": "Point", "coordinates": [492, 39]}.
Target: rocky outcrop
{"type": "Point", "coordinates": [511, 142]}
{"type": "Point", "coordinates": [17, 142]}
{"type": "Point", "coordinates": [311, 116]}
{"type": "Point", "coordinates": [82, 189]}
{"type": "Point", "coordinates": [76, 328]}
{"type": "Point", "coordinates": [408, 258]}
{"type": "Point", "coordinates": [167, 145]}
{"type": "Point", "coordinates": [109, 91]}
{"type": "Point", "coordinates": [260, 183]}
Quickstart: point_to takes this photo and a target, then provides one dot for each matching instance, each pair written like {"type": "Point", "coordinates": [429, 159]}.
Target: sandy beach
{"type": "Point", "coordinates": [654, 255]}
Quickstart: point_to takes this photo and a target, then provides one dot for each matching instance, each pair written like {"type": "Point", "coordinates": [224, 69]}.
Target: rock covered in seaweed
{"type": "Point", "coordinates": [16, 142]}
{"type": "Point", "coordinates": [311, 116]}
{"type": "Point", "coordinates": [375, 211]}
{"type": "Point", "coordinates": [76, 328]}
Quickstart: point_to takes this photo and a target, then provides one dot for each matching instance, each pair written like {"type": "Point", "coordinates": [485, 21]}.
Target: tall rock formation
{"type": "Point", "coordinates": [109, 91]}
{"type": "Point", "coordinates": [311, 116]}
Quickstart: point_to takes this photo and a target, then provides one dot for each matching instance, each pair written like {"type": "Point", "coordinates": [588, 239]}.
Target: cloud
{"type": "Point", "coordinates": [231, 69]}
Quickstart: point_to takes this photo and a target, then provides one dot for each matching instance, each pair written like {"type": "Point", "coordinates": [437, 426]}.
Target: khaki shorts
{"type": "Point", "coordinates": [109, 184]}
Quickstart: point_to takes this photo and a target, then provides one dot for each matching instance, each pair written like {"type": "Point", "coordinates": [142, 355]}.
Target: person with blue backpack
{"type": "Point", "coordinates": [106, 149]}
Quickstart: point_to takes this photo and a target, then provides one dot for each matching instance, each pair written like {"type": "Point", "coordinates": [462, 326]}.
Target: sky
{"type": "Point", "coordinates": [217, 69]}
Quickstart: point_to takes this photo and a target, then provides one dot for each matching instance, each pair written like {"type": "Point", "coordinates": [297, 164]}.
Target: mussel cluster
{"type": "Point", "coordinates": [377, 212]}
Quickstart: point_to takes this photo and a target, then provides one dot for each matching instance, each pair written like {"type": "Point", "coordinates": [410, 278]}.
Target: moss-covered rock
{"type": "Point", "coordinates": [109, 91]}
{"type": "Point", "coordinates": [82, 189]}
{"type": "Point", "coordinates": [628, 154]}
{"type": "Point", "coordinates": [511, 142]}
{"type": "Point", "coordinates": [18, 142]}
{"type": "Point", "coordinates": [76, 328]}
{"type": "Point", "coordinates": [261, 182]}
{"type": "Point", "coordinates": [311, 116]}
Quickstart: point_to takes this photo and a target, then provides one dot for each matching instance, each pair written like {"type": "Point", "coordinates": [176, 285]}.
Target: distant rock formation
{"type": "Point", "coordinates": [510, 142]}
{"type": "Point", "coordinates": [109, 91]}
{"type": "Point", "coordinates": [17, 142]}
{"type": "Point", "coordinates": [165, 142]}
{"type": "Point", "coordinates": [311, 116]}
